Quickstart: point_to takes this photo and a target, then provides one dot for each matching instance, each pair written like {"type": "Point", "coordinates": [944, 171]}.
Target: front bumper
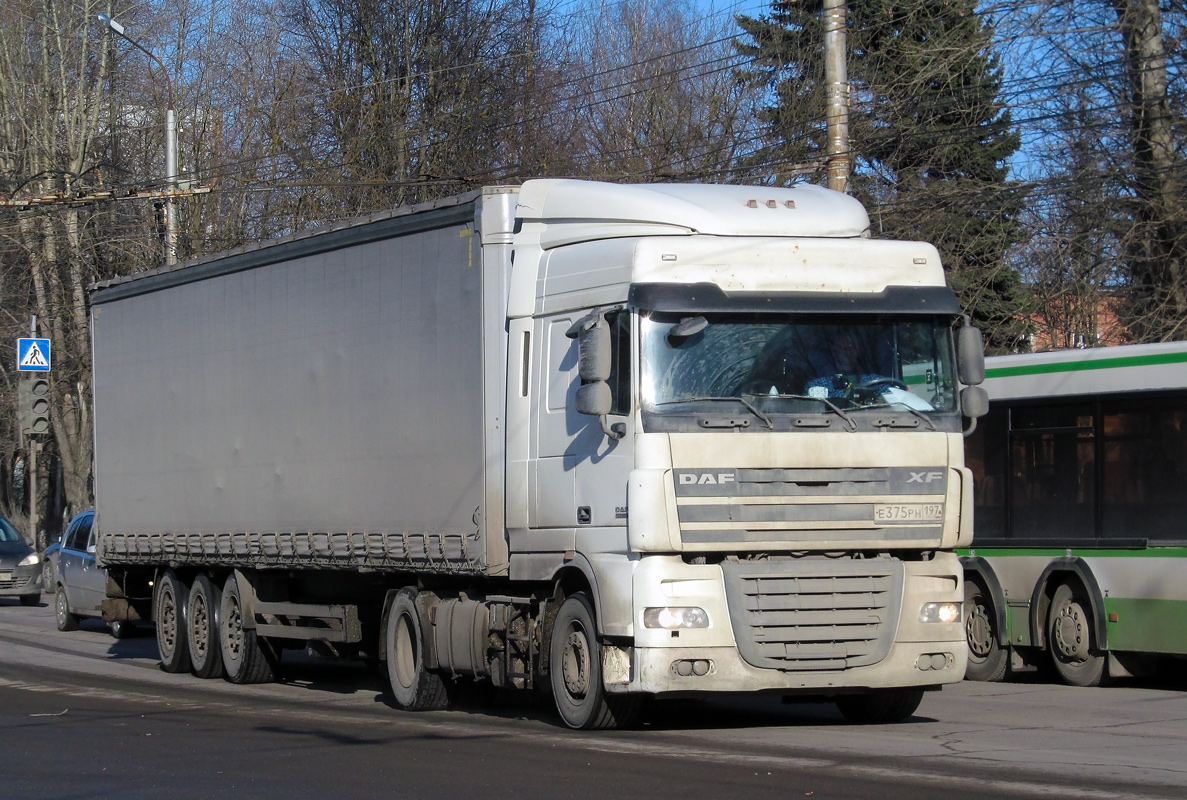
{"type": "Point", "coordinates": [21, 581]}
{"type": "Point", "coordinates": [657, 670]}
{"type": "Point", "coordinates": [712, 658]}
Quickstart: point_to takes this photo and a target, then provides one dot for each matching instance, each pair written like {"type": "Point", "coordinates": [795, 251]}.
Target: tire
{"type": "Point", "coordinates": [575, 672]}
{"type": "Point", "coordinates": [206, 655]}
{"type": "Point", "coordinates": [169, 604]}
{"type": "Point", "coordinates": [243, 658]}
{"type": "Point", "coordinates": [66, 620]}
{"type": "Point", "coordinates": [987, 659]}
{"type": "Point", "coordinates": [880, 706]}
{"type": "Point", "coordinates": [414, 688]}
{"type": "Point", "coordinates": [48, 582]}
{"type": "Point", "coordinates": [1074, 649]}
{"type": "Point", "coordinates": [123, 629]}
{"type": "Point", "coordinates": [31, 599]}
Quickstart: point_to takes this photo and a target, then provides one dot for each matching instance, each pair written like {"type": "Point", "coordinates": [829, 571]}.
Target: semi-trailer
{"type": "Point", "coordinates": [604, 441]}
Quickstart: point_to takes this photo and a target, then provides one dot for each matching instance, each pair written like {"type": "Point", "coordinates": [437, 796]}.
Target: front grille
{"type": "Point", "coordinates": [813, 614]}
{"type": "Point", "coordinates": [15, 583]}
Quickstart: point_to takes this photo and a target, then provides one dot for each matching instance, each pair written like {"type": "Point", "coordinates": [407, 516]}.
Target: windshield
{"type": "Point", "coordinates": [794, 363]}
{"type": "Point", "coordinates": [8, 533]}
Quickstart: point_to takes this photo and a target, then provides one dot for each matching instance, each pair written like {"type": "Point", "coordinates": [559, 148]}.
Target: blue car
{"type": "Point", "coordinates": [20, 567]}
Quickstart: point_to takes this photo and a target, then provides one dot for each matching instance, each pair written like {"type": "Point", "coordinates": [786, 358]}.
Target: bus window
{"type": "Point", "coordinates": [1141, 492]}
{"type": "Point", "coordinates": [1052, 472]}
{"type": "Point", "coordinates": [985, 455]}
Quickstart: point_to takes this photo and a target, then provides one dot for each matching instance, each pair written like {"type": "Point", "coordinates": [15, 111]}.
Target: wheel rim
{"type": "Point", "coordinates": [979, 630]}
{"type": "Point", "coordinates": [199, 625]}
{"type": "Point", "coordinates": [575, 663]}
{"type": "Point", "coordinates": [1070, 633]}
{"type": "Point", "coordinates": [234, 637]}
{"type": "Point", "coordinates": [61, 607]}
{"type": "Point", "coordinates": [405, 652]}
{"type": "Point", "coordinates": [167, 625]}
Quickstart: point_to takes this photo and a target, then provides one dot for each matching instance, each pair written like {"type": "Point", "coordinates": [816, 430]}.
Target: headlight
{"type": "Point", "coordinates": [30, 560]}
{"type": "Point", "coordinates": [670, 618]}
{"type": "Point", "coordinates": [939, 612]}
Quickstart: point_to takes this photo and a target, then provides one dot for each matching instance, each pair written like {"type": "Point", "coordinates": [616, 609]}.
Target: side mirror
{"type": "Point", "coordinates": [689, 326]}
{"type": "Point", "coordinates": [594, 399]}
{"type": "Point", "coordinates": [593, 352]}
{"type": "Point", "coordinates": [970, 356]}
{"type": "Point", "coordinates": [974, 402]}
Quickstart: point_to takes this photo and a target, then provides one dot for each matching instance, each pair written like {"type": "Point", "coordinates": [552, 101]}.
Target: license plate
{"type": "Point", "coordinates": [5, 576]}
{"type": "Point", "coordinates": [909, 512]}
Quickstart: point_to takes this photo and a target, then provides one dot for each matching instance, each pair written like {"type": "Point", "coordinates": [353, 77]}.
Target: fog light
{"type": "Point", "coordinates": [939, 612]}
{"type": "Point", "coordinates": [669, 618]}
{"type": "Point", "coordinates": [930, 661]}
{"type": "Point", "coordinates": [687, 667]}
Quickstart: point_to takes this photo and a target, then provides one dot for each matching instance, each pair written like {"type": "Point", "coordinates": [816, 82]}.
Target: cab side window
{"type": "Point", "coordinates": [620, 364]}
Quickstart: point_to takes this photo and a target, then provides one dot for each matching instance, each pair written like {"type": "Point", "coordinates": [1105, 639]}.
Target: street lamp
{"type": "Point", "coordinates": [170, 141]}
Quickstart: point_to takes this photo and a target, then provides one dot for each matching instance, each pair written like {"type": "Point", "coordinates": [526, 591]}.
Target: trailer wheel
{"type": "Point", "coordinates": [66, 620]}
{"type": "Point", "coordinates": [1074, 650]}
{"type": "Point", "coordinates": [575, 672]}
{"type": "Point", "coordinates": [206, 652]}
{"type": "Point", "coordinates": [243, 657]}
{"type": "Point", "coordinates": [413, 686]}
{"type": "Point", "coordinates": [172, 595]}
{"type": "Point", "coordinates": [987, 659]}
{"type": "Point", "coordinates": [880, 706]}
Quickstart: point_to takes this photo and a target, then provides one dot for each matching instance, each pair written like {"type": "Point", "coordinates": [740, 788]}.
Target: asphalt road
{"type": "Point", "coordinates": [83, 715]}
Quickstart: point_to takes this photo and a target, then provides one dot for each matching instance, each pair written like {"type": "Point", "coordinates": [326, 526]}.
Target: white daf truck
{"type": "Point", "coordinates": [607, 441]}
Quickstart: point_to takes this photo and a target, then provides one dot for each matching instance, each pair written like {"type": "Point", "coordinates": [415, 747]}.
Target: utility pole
{"type": "Point", "coordinates": [31, 477]}
{"type": "Point", "coordinates": [836, 83]}
{"type": "Point", "coordinates": [170, 140]}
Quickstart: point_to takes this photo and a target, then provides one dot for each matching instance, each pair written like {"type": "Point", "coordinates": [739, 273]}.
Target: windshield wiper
{"type": "Point", "coordinates": [732, 398]}
{"type": "Point", "coordinates": [901, 407]}
{"type": "Point", "coordinates": [829, 403]}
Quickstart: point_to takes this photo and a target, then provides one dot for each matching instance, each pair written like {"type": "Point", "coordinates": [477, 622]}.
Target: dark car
{"type": "Point", "coordinates": [20, 567]}
{"type": "Point", "coordinates": [49, 566]}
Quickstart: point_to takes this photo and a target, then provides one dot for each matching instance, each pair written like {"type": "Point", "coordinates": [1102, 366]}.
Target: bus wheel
{"type": "Point", "coordinates": [575, 672]}
{"type": "Point", "coordinates": [1069, 633]}
{"type": "Point", "coordinates": [987, 659]}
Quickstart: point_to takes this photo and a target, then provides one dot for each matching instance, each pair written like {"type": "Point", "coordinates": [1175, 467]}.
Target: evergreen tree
{"type": "Point", "coordinates": [930, 137]}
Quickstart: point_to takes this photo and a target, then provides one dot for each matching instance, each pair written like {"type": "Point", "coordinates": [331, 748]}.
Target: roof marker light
{"type": "Point", "coordinates": [752, 204]}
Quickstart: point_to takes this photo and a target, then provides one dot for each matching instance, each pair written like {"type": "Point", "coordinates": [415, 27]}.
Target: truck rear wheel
{"type": "Point", "coordinates": [880, 706]}
{"type": "Point", "coordinates": [575, 672]}
{"type": "Point", "coordinates": [172, 595]}
{"type": "Point", "coordinates": [243, 657]}
{"type": "Point", "coordinates": [413, 686]}
{"type": "Point", "coordinates": [205, 649]}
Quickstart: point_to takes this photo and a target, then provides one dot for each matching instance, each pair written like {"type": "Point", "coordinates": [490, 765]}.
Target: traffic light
{"type": "Point", "coordinates": [34, 404]}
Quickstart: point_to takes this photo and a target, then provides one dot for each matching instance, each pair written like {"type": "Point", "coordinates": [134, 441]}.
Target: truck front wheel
{"type": "Point", "coordinates": [172, 595]}
{"type": "Point", "coordinates": [880, 706]}
{"type": "Point", "coordinates": [575, 672]}
{"type": "Point", "coordinates": [413, 686]}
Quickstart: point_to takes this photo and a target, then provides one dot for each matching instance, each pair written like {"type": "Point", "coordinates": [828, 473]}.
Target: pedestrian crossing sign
{"type": "Point", "coordinates": [32, 355]}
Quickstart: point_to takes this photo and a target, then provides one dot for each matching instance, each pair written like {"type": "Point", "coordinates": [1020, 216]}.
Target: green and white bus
{"type": "Point", "coordinates": [1080, 547]}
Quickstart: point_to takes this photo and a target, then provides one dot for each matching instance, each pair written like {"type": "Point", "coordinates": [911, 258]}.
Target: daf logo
{"type": "Point", "coordinates": [706, 478]}
{"type": "Point", "coordinates": [925, 477]}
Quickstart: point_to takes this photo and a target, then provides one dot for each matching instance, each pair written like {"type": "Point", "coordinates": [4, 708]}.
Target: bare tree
{"type": "Point", "coordinates": [657, 91]}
